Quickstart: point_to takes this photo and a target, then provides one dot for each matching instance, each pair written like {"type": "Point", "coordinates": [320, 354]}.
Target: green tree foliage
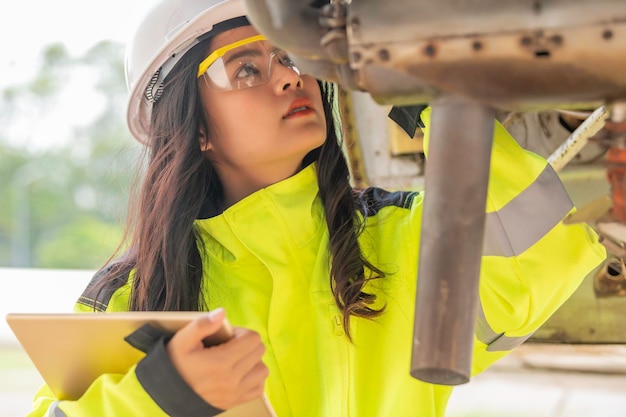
{"type": "Point", "coordinates": [63, 205]}
{"type": "Point", "coordinates": [66, 246]}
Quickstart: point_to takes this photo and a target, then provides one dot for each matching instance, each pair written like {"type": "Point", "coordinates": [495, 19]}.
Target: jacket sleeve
{"type": "Point", "coordinates": [152, 387]}
{"type": "Point", "coordinates": [532, 262]}
{"type": "Point", "coordinates": [109, 395]}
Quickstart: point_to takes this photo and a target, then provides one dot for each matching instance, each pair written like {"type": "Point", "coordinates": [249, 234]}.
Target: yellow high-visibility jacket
{"type": "Point", "coordinates": [267, 264]}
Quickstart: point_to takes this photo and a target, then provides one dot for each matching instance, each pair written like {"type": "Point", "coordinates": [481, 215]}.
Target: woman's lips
{"type": "Point", "coordinates": [299, 107]}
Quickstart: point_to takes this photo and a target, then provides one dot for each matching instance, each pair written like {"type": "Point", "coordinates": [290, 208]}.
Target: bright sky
{"type": "Point", "coordinates": [26, 27]}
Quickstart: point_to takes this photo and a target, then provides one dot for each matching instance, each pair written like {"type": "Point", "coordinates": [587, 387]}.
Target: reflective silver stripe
{"type": "Point", "coordinates": [495, 342]}
{"type": "Point", "coordinates": [542, 206]}
{"type": "Point", "coordinates": [55, 411]}
{"type": "Point", "coordinates": [528, 217]}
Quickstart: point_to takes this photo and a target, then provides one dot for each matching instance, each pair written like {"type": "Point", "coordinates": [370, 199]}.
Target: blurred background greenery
{"type": "Point", "coordinates": [63, 202]}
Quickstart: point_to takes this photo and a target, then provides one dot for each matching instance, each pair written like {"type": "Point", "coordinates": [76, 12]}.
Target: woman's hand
{"type": "Point", "coordinates": [225, 375]}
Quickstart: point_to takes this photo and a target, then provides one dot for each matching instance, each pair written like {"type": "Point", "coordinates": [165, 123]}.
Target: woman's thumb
{"type": "Point", "coordinates": [198, 329]}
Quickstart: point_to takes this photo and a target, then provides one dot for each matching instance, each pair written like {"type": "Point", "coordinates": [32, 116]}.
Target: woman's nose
{"type": "Point", "coordinates": [287, 75]}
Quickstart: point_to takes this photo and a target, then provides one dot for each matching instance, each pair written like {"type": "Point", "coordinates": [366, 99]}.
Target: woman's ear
{"type": "Point", "coordinates": [203, 139]}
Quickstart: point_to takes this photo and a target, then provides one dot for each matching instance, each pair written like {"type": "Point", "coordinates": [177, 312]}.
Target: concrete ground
{"type": "Point", "coordinates": [548, 381]}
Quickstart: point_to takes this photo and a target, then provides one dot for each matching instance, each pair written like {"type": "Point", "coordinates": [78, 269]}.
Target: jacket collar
{"type": "Point", "coordinates": [285, 213]}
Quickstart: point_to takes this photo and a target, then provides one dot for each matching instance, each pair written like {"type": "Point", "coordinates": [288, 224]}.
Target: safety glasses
{"type": "Point", "coordinates": [243, 64]}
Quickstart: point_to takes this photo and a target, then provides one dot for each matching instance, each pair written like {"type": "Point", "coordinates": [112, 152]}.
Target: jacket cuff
{"type": "Point", "coordinates": [168, 389]}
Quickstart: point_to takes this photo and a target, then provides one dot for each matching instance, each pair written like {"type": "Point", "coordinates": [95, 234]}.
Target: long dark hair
{"type": "Point", "coordinates": [164, 249]}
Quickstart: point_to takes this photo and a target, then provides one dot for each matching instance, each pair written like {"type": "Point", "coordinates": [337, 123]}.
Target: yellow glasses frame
{"type": "Point", "coordinates": [218, 53]}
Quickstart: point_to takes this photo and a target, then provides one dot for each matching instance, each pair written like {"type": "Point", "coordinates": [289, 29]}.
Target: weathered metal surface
{"type": "Point", "coordinates": [603, 359]}
{"type": "Point", "coordinates": [511, 70]}
{"type": "Point", "coordinates": [352, 140]}
{"type": "Point", "coordinates": [423, 19]}
{"type": "Point", "coordinates": [578, 139]}
{"type": "Point", "coordinates": [610, 280]}
{"type": "Point", "coordinates": [451, 242]}
{"type": "Point", "coordinates": [510, 54]}
{"type": "Point", "coordinates": [378, 166]}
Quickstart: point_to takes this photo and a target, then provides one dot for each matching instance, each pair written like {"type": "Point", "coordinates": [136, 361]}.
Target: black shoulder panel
{"type": "Point", "coordinates": [373, 199]}
{"type": "Point", "coordinates": [98, 293]}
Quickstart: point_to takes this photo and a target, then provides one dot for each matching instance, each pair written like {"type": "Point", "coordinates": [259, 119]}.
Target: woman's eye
{"type": "Point", "coordinates": [246, 70]}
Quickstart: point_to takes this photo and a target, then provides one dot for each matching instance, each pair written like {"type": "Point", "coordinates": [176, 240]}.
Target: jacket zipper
{"type": "Point", "coordinates": [345, 360]}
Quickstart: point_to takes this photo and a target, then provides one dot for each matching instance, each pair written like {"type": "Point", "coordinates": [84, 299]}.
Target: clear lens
{"type": "Point", "coordinates": [246, 66]}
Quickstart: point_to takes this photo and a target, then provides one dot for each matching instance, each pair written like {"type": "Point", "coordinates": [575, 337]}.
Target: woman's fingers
{"type": "Point", "coordinates": [257, 375]}
{"type": "Point", "coordinates": [249, 361]}
{"type": "Point", "coordinates": [190, 336]}
{"type": "Point", "coordinates": [224, 375]}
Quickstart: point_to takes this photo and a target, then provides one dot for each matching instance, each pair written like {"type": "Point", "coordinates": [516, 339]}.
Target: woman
{"type": "Point", "coordinates": [246, 209]}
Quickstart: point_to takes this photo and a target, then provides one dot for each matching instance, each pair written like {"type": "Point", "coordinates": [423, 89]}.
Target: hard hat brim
{"type": "Point", "coordinates": [138, 109]}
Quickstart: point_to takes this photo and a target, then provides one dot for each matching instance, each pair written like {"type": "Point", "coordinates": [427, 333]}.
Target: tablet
{"type": "Point", "coordinates": [70, 350]}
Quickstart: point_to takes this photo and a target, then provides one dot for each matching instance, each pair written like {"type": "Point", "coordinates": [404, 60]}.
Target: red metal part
{"type": "Point", "coordinates": [616, 174]}
{"type": "Point", "coordinates": [616, 169]}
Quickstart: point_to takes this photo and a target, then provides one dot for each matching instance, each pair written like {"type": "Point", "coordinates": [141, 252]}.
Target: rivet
{"type": "Point", "coordinates": [557, 39]}
{"type": "Point", "coordinates": [430, 50]}
{"type": "Point", "coordinates": [355, 23]}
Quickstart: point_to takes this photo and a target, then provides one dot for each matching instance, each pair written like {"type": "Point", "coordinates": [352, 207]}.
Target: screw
{"type": "Point", "coordinates": [430, 50]}
{"type": "Point", "coordinates": [383, 54]}
{"type": "Point", "coordinates": [557, 39]}
{"type": "Point", "coordinates": [526, 41]}
{"type": "Point", "coordinates": [607, 34]}
{"type": "Point", "coordinates": [355, 23]}
{"type": "Point", "coordinates": [356, 56]}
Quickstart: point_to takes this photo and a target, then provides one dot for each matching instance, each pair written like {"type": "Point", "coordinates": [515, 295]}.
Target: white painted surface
{"type": "Point", "coordinates": [28, 290]}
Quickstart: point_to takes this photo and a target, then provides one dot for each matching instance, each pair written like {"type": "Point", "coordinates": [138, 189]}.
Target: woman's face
{"type": "Point", "coordinates": [264, 131]}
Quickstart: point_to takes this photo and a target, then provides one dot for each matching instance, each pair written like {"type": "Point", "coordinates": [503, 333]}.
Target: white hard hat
{"type": "Point", "coordinates": [167, 32]}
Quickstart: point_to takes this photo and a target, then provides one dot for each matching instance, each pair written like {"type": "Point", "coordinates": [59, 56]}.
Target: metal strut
{"type": "Point", "coordinates": [453, 224]}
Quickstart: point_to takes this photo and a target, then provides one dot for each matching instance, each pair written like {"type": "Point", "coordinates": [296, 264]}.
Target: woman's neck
{"type": "Point", "coordinates": [240, 183]}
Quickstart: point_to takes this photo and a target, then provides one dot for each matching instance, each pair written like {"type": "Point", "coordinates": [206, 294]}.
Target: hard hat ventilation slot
{"type": "Point", "coordinates": [155, 88]}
